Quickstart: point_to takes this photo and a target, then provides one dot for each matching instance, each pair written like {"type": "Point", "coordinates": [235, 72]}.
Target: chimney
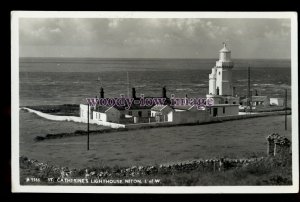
{"type": "Point", "coordinates": [133, 93]}
{"type": "Point", "coordinates": [164, 92]}
{"type": "Point", "coordinates": [186, 99]}
{"type": "Point", "coordinates": [101, 93]}
{"type": "Point", "coordinates": [256, 93]}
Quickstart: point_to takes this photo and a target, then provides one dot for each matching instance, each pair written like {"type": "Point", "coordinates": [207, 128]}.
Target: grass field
{"type": "Point", "coordinates": [31, 125]}
{"type": "Point", "coordinates": [235, 139]}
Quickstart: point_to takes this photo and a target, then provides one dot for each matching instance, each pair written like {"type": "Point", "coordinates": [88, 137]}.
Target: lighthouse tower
{"type": "Point", "coordinates": [220, 79]}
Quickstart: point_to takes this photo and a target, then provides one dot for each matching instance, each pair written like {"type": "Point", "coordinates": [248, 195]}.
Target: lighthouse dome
{"type": "Point", "coordinates": [225, 57]}
{"type": "Point", "coordinates": [225, 49]}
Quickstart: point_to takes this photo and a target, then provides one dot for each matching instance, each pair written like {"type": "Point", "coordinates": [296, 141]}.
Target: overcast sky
{"type": "Point", "coordinates": [154, 38]}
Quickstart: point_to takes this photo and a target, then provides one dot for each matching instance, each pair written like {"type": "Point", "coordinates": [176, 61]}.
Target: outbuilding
{"type": "Point", "coordinates": [277, 101]}
{"type": "Point", "coordinates": [160, 112]}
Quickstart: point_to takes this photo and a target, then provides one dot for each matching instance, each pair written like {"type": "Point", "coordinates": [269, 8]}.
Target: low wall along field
{"type": "Point", "coordinates": [73, 118]}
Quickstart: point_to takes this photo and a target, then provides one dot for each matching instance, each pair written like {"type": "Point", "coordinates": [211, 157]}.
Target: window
{"type": "Point", "coordinates": [130, 113]}
{"type": "Point", "coordinates": [223, 110]}
{"type": "Point", "coordinates": [140, 113]}
{"type": "Point", "coordinates": [149, 113]}
{"type": "Point", "coordinates": [233, 102]}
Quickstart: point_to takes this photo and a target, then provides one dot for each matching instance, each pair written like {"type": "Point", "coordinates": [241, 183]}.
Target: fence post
{"type": "Point", "coordinates": [88, 128]}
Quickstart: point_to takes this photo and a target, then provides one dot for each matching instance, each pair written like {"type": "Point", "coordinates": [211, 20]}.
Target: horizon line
{"type": "Point", "coordinates": [149, 58]}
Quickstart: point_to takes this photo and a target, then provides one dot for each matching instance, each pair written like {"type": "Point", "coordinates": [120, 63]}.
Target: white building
{"type": "Point", "coordinates": [220, 79]}
{"type": "Point", "coordinates": [115, 114]}
{"type": "Point", "coordinates": [101, 113]}
{"type": "Point", "coordinates": [277, 101]}
{"type": "Point", "coordinates": [160, 112]}
{"type": "Point", "coordinates": [221, 89]}
{"type": "Point", "coordinates": [188, 114]}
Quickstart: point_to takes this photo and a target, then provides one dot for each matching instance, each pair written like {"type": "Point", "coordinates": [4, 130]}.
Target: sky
{"type": "Point", "coordinates": [154, 37]}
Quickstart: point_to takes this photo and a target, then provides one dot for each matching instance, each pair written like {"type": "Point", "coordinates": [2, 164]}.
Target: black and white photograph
{"type": "Point", "coordinates": [155, 102]}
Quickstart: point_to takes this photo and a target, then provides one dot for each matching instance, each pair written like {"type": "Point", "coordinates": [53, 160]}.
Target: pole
{"type": "Point", "coordinates": [88, 128]}
{"type": "Point", "coordinates": [128, 85]}
{"type": "Point", "coordinates": [285, 106]}
{"type": "Point", "coordinates": [249, 99]}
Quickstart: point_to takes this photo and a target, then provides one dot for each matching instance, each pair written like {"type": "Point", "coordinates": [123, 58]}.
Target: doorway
{"type": "Point", "coordinates": [215, 111]}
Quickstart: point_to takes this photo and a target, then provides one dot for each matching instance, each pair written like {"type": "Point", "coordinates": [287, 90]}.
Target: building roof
{"type": "Point", "coordinates": [101, 109]}
{"type": "Point", "coordinates": [158, 107]}
{"type": "Point", "coordinates": [184, 107]}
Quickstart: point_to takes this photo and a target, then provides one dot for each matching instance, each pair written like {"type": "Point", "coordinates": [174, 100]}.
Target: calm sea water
{"type": "Point", "coordinates": [58, 81]}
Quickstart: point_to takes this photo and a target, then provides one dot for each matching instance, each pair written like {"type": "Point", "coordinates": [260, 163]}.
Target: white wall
{"type": "Point", "coordinates": [170, 116]}
{"type": "Point", "coordinates": [99, 116]}
{"type": "Point", "coordinates": [212, 86]}
{"type": "Point", "coordinates": [84, 110]}
{"type": "Point", "coordinates": [153, 113]}
{"type": "Point", "coordinates": [188, 116]}
{"type": "Point", "coordinates": [74, 119]}
{"type": "Point", "coordinates": [219, 80]}
{"type": "Point", "coordinates": [212, 81]}
{"type": "Point", "coordinates": [277, 101]}
{"type": "Point", "coordinates": [226, 82]}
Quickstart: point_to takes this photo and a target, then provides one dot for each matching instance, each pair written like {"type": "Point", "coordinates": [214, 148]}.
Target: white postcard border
{"type": "Point", "coordinates": [16, 187]}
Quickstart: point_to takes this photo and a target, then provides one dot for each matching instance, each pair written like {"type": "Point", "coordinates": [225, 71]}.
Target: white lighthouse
{"type": "Point", "coordinates": [220, 79]}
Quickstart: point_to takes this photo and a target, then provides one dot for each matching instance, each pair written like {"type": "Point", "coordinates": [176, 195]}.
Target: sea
{"type": "Point", "coordinates": [50, 81]}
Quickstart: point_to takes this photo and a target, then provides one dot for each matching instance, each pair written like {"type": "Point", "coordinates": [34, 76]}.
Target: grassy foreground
{"type": "Point", "coordinates": [269, 171]}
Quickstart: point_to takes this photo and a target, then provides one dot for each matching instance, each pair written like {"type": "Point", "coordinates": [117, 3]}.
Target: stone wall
{"type": "Point", "coordinates": [216, 165]}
